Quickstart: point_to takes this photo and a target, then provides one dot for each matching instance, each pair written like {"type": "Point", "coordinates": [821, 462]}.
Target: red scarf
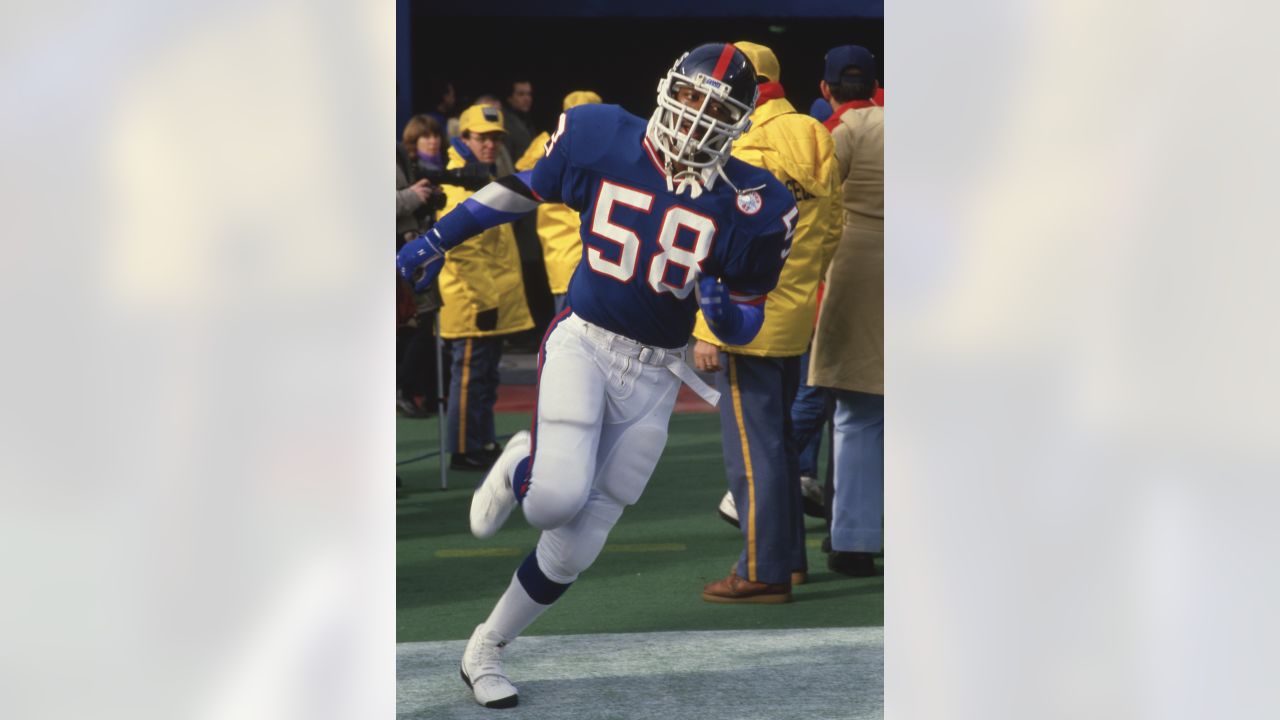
{"type": "Point", "coordinates": [834, 120]}
{"type": "Point", "coordinates": [769, 91]}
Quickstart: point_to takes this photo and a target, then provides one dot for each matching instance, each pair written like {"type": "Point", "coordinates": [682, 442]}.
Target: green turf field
{"type": "Point", "coordinates": [649, 577]}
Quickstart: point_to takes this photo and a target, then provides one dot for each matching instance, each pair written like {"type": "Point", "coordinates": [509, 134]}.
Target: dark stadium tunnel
{"type": "Point", "coordinates": [620, 58]}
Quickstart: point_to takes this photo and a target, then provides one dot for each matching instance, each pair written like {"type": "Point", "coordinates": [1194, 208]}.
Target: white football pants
{"type": "Point", "coordinates": [604, 402]}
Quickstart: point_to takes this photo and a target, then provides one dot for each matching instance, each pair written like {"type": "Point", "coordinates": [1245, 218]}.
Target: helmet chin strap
{"type": "Point", "coordinates": [727, 181]}
{"type": "Point", "coordinates": [679, 176]}
{"type": "Point", "coordinates": [695, 182]}
{"type": "Point", "coordinates": [688, 178]}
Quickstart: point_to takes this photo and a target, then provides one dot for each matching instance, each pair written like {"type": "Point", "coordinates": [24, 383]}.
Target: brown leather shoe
{"type": "Point", "coordinates": [799, 577]}
{"type": "Point", "coordinates": [735, 589]}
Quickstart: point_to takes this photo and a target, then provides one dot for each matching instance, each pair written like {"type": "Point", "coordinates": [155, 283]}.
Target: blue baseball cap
{"type": "Point", "coordinates": [844, 57]}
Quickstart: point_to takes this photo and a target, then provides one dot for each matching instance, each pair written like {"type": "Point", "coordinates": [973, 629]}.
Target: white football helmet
{"type": "Point", "coordinates": [693, 144]}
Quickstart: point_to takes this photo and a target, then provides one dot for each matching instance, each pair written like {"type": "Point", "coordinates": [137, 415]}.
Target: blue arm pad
{"type": "Point", "coordinates": [495, 204]}
{"type": "Point", "coordinates": [734, 323]}
{"type": "Point", "coordinates": [457, 226]}
{"type": "Point", "coordinates": [422, 258]}
{"type": "Point", "coordinates": [743, 325]}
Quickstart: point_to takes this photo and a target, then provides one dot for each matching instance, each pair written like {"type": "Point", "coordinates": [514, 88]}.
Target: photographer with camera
{"type": "Point", "coordinates": [418, 198]}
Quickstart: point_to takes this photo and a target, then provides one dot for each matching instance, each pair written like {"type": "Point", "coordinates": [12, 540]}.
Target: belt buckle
{"type": "Point", "coordinates": [646, 353]}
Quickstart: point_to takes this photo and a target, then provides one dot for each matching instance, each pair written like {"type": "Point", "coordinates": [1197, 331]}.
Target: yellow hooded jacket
{"type": "Point", "coordinates": [558, 227]}
{"type": "Point", "coordinates": [798, 150]}
{"type": "Point", "coordinates": [482, 273]}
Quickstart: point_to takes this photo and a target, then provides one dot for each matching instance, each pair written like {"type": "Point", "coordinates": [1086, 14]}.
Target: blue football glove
{"type": "Point", "coordinates": [734, 323]}
{"type": "Point", "coordinates": [420, 261]}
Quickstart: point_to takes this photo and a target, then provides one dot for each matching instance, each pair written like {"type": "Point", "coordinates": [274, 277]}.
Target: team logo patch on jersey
{"type": "Point", "coordinates": [750, 203]}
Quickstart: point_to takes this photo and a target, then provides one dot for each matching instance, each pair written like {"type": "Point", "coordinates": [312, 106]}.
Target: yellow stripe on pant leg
{"type": "Point", "coordinates": [746, 463]}
{"type": "Point", "coordinates": [462, 401]}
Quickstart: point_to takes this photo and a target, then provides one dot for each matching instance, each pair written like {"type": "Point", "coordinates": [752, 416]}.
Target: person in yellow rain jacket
{"type": "Point", "coordinates": [557, 224]}
{"type": "Point", "coordinates": [483, 296]}
{"type": "Point", "coordinates": [759, 380]}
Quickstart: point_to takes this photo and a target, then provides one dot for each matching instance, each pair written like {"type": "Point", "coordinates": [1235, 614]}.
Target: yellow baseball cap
{"type": "Point", "coordinates": [581, 97]}
{"type": "Point", "coordinates": [765, 62]}
{"type": "Point", "coordinates": [481, 119]}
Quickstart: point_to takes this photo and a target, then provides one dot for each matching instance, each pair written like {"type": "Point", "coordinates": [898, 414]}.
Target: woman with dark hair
{"type": "Point", "coordinates": [424, 142]}
{"type": "Point", "coordinates": [417, 202]}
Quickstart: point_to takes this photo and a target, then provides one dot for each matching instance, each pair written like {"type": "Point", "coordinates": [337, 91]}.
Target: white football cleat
{"type": "Point", "coordinates": [482, 670]}
{"type": "Point", "coordinates": [494, 499]}
{"type": "Point", "coordinates": [728, 509]}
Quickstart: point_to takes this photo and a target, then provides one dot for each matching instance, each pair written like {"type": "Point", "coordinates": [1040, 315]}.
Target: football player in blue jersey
{"type": "Point", "coordinates": [670, 224]}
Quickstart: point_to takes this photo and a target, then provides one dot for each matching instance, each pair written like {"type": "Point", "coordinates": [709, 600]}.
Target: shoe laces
{"type": "Point", "coordinates": [487, 658]}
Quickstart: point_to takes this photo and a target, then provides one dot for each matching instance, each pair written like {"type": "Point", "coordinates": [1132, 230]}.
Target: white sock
{"type": "Point", "coordinates": [514, 612]}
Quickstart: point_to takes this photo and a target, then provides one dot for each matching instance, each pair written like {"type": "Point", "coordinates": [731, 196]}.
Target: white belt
{"type": "Point", "coordinates": [670, 358]}
{"type": "Point", "coordinates": [695, 383]}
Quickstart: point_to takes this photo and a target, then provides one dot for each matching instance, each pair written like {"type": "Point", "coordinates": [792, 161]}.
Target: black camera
{"type": "Point", "coordinates": [435, 202]}
{"type": "Point", "coordinates": [469, 177]}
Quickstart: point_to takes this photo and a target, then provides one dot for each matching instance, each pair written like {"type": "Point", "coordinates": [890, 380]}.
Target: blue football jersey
{"type": "Point", "coordinates": [642, 245]}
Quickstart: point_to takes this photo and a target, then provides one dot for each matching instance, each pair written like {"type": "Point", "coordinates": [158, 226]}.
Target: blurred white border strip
{"type": "Point", "coordinates": [1082, 399]}
{"type": "Point", "coordinates": [197, 508]}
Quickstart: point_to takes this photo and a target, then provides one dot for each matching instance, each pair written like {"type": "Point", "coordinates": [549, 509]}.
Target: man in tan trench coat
{"type": "Point", "coordinates": [848, 351]}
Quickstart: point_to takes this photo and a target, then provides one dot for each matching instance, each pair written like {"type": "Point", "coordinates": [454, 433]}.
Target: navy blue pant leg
{"type": "Point", "coordinates": [809, 413]}
{"type": "Point", "coordinates": [493, 379]}
{"type": "Point", "coordinates": [472, 392]}
{"type": "Point", "coordinates": [760, 463]}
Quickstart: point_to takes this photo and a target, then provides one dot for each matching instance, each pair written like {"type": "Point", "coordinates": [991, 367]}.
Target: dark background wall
{"type": "Point", "coordinates": [620, 58]}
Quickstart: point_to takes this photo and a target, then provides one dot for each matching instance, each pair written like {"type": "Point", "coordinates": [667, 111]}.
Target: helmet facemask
{"type": "Point", "coordinates": [691, 161]}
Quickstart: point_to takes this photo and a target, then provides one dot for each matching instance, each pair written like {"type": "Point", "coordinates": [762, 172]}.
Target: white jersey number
{"type": "Point", "coordinates": [789, 220]}
{"type": "Point", "coordinates": [628, 242]}
{"type": "Point", "coordinates": [688, 260]}
{"type": "Point", "coordinates": [551, 142]}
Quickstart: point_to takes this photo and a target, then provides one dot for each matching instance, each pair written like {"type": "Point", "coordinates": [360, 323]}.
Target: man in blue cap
{"type": "Point", "coordinates": [848, 347]}
{"type": "Point", "coordinates": [849, 82]}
